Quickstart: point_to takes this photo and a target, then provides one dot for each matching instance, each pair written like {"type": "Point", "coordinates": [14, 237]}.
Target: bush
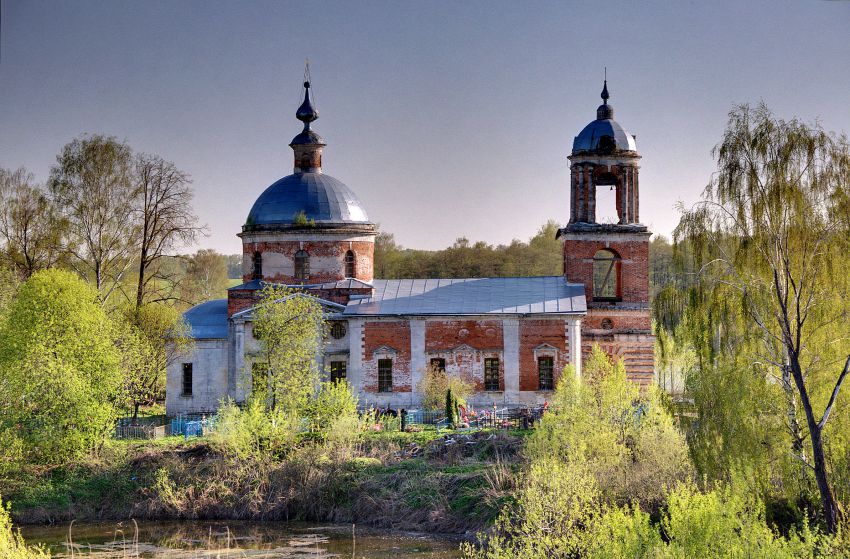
{"type": "Point", "coordinates": [436, 383]}
{"type": "Point", "coordinates": [12, 545]}
{"type": "Point", "coordinates": [624, 437]}
{"type": "Point", "coordinates": [253, 431]}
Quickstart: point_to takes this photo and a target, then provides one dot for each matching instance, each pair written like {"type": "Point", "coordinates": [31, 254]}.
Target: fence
{"type": "Point", "coordinates": [504, 418]}
{"type": "Point", "coordinates": [141, 428]}
{"type": "Point", "coordinates": [193, 425]}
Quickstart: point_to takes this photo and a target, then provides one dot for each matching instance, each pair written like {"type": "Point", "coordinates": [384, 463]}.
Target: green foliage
{"type": "Point", "coordinates": [149, 338]}
{"type": "Point", "coordinates": [548, 519]}
{"type": "Point", "coordinates": [540, 256]}
{"type": "Point", "coordinates": [206, 277]}
{"type": "Point", "coordinates": [12, 545]}
{"type": "Point", "coordinates": [290, 326]}
{"type": "Point", "coordinates": [604, 424]}
{"type": "Point", "coordinates": [434, 385]}
{"type": "Point", "coordinates": [60, 368]}
{"type": "Point", "coordinates": [253, 431]}
{"type": "Point", "coordinates": [334, 416]}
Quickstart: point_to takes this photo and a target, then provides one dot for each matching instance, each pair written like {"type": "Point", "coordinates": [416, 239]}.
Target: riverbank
{"type": "Point", "coordinates": [447, 483]}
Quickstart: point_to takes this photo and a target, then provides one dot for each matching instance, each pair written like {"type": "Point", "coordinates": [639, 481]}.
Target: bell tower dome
{"type": "Point", "coordinates": [610, 259]}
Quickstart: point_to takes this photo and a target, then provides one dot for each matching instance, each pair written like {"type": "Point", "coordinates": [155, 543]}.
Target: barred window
{"type": "Point", "coordinates": [545, 371]}
{"type": "Point", "coordinates": [349, 264]}
{"type": "Point", "coordinates": [302, 265]}
{"type": "Point", "coordinates": [338, 370]}
{"type": "Point", "coordinates": [187, 380]}
{"type": "Point", "coordinates": [438, 364]}
{"type": "Point", "coordinates": [385, 375]}
{"type": "Point", "coordinates": [491, 373]}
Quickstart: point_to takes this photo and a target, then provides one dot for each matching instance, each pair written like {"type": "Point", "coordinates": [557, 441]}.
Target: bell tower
{"type": "Point", "coordinates": [610, 259]}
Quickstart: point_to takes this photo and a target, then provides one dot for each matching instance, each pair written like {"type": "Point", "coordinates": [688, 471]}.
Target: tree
{"type": "Point", "coordinates": [772, 231]}
{"type": "Point", "coordinates": [150, 338]}
{"type": "Point", "coordinates": [29, 224]}
{"type": "Point", "coordinates": [165, 216]}
{"type": "Point", "coordinates": [289, 326]}
{"type": "Point", "coordinates": [206, 276]}
{"type": "Point", "coordinates": [60, 368]}
{"type": "Point", "coordinates": [93, 185]}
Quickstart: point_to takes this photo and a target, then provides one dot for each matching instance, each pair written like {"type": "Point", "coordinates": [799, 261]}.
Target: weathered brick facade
{"type": "Point", "coordinates": [531, 329]}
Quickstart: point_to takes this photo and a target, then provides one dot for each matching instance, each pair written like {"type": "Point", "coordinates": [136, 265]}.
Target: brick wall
{"type": "Point", "coordinates": [636, 350]}
{"type": "Point", "coordinates": [394, 335]}
{"type": "Point", "coordinates": [634, 267]}
{"type": "Point", "coordinates": [465, 344]}
{"type": "Point", "coordinates": [327, 259]}
{"type": "Point", "coordinates": [533, 334]}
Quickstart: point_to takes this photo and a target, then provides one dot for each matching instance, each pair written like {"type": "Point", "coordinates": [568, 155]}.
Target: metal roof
{"type": "Point", "coordinates": [348, 283]}
{"type": "Point", "coordinates": [321, 198]}
{"type": "Point", "coordinates": [589, 138]}
{"type": "Point", "coordinates": [208, 320]}
{"type": "Point", "coordinates": [472, 296]}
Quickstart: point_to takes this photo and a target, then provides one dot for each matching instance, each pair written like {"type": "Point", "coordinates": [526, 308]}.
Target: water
{"type": "Point", "coordinates": [235, 540]}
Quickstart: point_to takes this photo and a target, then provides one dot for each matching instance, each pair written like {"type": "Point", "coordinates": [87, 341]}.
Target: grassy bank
{"type": "Point", "coordinates": [450, 482]}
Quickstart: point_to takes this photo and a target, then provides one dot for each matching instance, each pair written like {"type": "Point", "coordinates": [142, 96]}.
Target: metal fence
{"type": "Point", "coordinates": [141, 427]}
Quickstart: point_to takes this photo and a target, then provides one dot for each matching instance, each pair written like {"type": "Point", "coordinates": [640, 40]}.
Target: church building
{"type": "Point", "coordinates": [509, 337]}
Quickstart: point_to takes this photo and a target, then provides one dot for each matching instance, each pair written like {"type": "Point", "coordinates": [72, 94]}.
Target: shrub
{"type": "Point", "coordinates": [434, 385]}
{"type": "Point", "coordinates": [12, 545]}
{"type": "Point", "coordinates": [253, 431]}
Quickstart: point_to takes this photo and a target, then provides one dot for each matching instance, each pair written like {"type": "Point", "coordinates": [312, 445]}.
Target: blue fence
{"type": "Point", "coordinates": [192, 425]}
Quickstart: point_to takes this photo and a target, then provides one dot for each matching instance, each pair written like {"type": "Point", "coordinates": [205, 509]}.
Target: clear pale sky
{"type": "Point", "coordinates": [448, 119]}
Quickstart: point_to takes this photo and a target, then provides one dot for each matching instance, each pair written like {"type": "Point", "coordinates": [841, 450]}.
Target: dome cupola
{"type": "Point", "coordinates": [308, 197]}
{"type": "Point", "coordinates": [604, 135]}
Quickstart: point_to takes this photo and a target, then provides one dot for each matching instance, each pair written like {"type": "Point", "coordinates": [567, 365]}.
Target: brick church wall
{"type": "Point", "coordinates": [394, 335]}
{"type": "Point", "coordinates": [327, 259]}
{"type": "Point", "coordinates": [634, 272]}
{"type": "Point", "coordinates": [465, 344]}
{"type": "Point", "coordinates": [533, 334]}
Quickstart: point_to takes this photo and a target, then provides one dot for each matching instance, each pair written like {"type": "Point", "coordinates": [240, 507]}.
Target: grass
{"type": "Point", "coordinates": [408, 481]}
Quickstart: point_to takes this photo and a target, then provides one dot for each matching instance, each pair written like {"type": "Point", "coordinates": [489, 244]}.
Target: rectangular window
{"type": "Point", "coordinates": [545, 370]}
{"type": "Point", "coordinates": [187, 379]}
{"type": "Point", "coordinates": [259, 378]}
{"type": "Point", "coordinates": [385, 375]}
{"type": "Point", "coordinates": [338, 370]}
{"type": "Point", "coordinates": [438, 364]}
{"type": "Point", "coordinates": [491, 373]}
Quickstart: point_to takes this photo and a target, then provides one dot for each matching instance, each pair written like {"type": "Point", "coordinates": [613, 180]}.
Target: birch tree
{"type": "Point", "coordinates": [92, 184]}
{"type": "Point", "coordinates": [290, 327]}
{"type": "Point", "coordinates": [166, 220]}
{"type": "Point", "coordinates": [30, 228]}
{"type": "Point", "coordinates": [771, 236]}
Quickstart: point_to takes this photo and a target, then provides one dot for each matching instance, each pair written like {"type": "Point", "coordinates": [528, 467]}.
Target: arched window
{"type": "Point", "coordinates": [606, 275]}
{"type": "Point", "coordinates": [349, 264]}
{"type": "Point", "coordinates": [257, 265]}
{"type": "Point", "coordinates": [302, 265]}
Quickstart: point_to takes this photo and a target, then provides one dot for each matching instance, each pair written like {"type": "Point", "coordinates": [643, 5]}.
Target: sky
{"type": "Point", "coordinates": [448, 119]}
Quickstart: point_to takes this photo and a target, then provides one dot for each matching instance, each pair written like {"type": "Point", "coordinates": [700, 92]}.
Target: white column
{"type": "Point", "coordinates": [417, 358]}
{"type": "Point", "coordinates": [510, 334]}
{"type": "Point", "coordinates": [236, 384]}
{"type": "Point", "coordinates": [355, 356]}
{"type": "Point", "coordinates": [575, 345]}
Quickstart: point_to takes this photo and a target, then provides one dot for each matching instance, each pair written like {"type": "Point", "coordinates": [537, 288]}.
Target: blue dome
{"type": "Point", "coordinates": [322, 199]}
{"type": "Point", "coordinates": [616, 139]}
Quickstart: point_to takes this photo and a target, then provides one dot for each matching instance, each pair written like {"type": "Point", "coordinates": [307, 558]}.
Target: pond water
{"type": "Point", "coordinates": [235, 540]}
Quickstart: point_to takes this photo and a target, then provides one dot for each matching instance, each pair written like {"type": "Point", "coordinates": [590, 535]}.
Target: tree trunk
{"type": "Point", "coordinates": [135, 414]}
{"type": "Point", "coordinates": [140, 291]}
{"type": "Point", "coordinates": [830, 508]}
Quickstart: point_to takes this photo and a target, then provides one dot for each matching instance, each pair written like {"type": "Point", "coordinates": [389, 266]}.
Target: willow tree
{"type": "Point", "coordinates": [772, 232]}
{"type": "Point", "coordinates": [289, 325]}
